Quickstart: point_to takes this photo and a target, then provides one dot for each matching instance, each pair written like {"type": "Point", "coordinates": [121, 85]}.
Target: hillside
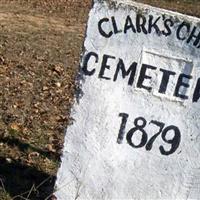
{"type": "Point", "coordinates": [40, 46]}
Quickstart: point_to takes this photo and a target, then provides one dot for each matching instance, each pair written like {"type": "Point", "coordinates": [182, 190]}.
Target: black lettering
{"type": "Point", "coordinates": [180, 83]}
{"type": "Point", "coordinates": [101, 31]}
{"type": "Point", "coordinates": [115, 26]}
{"type": "Point", "coordinates": [167, 24]}
{"type": "Point", "coordinates": [196, 95]}
{"type": "Point", "coordinates": [122, 127]}
{"type": "Point", "coordinates": [175, 141]}
{"type": "Point", "coordinates": [153, 25]}
{"type": "Point", "coordinates": [165, 80]}
{"type": "Point", "coordinates": [192, 35]}
{"type": "Point", "coordinates": [180, 28]}
{"type": "Point", "coordinates": [105, 66]}
{"type": "Point", "coordinates": [128, 25]}
{"type": "Point", "coordinates": [143, 76]}
{"type": "Point", "coordinates": [139, 123]}
{"type": "Point", "coordinates": [140, 23]}
{"type": "Point", "coordinates": [161, 125]}
{"type": "Point", "coordinates": [131, 70]}
{"type": "Point", "coordinates": [85, 63]}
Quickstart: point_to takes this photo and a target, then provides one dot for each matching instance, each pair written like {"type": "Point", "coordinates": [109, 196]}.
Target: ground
{"type": "Point", "coordinates": [40, 46]}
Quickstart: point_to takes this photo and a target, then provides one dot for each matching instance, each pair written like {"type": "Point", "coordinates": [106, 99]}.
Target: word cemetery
{"type": "Point", "coordinates": [130, 72]}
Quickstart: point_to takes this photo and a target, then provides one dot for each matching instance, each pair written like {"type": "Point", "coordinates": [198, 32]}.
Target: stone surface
{"type": "Point", "coordinates": [135, 133]}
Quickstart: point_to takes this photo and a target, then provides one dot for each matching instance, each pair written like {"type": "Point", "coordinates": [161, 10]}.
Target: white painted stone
{"type": "Point", "coordinates": [94, 165]}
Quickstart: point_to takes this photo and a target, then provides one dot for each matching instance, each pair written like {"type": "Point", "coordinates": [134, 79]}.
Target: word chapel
{"type": "Point", "coordinates": [96, 64]}
{"type": "Point", "coordinates": [185, 31]}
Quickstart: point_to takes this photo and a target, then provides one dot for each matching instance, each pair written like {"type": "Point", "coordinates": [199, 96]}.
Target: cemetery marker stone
{"type": "Point", "coordinates": [136, 129]}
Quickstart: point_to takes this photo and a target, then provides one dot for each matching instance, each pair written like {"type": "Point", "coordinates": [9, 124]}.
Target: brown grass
{"type": "Point", "coordinates": [40, 44]}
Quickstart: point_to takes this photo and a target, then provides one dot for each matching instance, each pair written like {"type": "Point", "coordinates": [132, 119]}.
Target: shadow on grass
{"type": "Point", "coordinates": [12, 142]}
{"type": "Point", "coordinates": [22, 181]}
